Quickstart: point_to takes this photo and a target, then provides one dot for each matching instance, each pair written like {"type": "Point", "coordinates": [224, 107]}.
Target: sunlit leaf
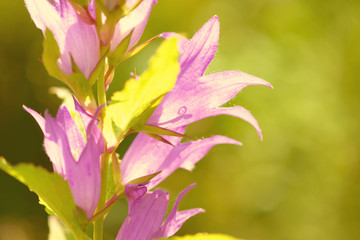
{"type": "Point", "coordinates": [53, 192]}
{"type": "Point", "coordinates": [117, 56]}
{"type": "Point", "coordinates": [138, 49]}
{"type": "Point", "coordinates": [140, 95]}
{"type": "Point", "coordinates": [57, 230]}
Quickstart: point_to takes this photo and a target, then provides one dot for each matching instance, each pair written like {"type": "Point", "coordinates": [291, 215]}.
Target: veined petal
{"type": "Point", "coordinates": [76, 39]}
{"type": "Point", "coordinates": [143, 157]}
{"type": "Point", "coordinates": [135, 21]}
{"type": "Point", "coordinates": [210, 92]}
{"type": "Point", "coordinates": [198, 52]}
{"type": "Point", "coordinates": [66, 11]}
{"type": "Point", "coordinates": [76, 140]}
{"type": "Point", "coordinates": [85, 176]}
{"type": "Point", "coordinates": [55, 140]}
{"type": "Point", "coordinates": [145, 216]}
{"type": "Point", "coordinates": [44, 14]}
{"type": "Point", "coordinates": [176, 219]}
{"type": "Point", "coordinates": [38, 118]}
{"type": "Point", "coordinates": [81, 43]}
{"type": "Point", "coordinates": [186, 155]}
{"type": "Point", "coordinates": [147, 155]}
{"type": "Point", "coordinates": [147, 211]}
{"type": "Point", "coordinates": [57, 145]}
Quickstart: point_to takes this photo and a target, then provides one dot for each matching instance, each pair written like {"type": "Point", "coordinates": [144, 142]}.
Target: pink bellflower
{"type": "Point", "coordinates": [147, 211]}
{"type": "Point", "coordinates": [78, 40]}
{"type": "Point", "coordinates": [195, 96]}
{"type": "Point", "coordinates": [76, 159]}
{"type": "Point", "coordinates": [75, 38]}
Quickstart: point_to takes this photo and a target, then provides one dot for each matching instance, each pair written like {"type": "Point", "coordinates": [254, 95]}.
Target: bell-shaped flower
{"type": "Point", "coordinates": [147, 212]}
{"type": "Point", "coordinates": [74, 156]}
{"type": "Point", "coordinates": [195, 96]}
{"type": "Point", "coordinates": [77, 39]}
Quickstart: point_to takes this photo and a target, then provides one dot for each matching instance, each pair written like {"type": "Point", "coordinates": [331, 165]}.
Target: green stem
{"type": "Point", "coordinates": [101, 95]}
{"type": "Point", "coordinates": [98, 224]}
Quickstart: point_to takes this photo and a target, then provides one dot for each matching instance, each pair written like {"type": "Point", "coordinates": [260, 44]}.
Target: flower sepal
{"type": "Point", "coordinates": [82, 218]}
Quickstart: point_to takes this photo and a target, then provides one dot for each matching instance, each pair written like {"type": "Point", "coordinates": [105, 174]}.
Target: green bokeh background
{"type": "Point", "coordinates": [300, 182]}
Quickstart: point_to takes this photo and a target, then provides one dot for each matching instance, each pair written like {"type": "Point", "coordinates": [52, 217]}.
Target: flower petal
{"type": "Point", "coordinates": [44, 14]}
{"type": "Point", "coordinates": [57, 145]}
{"type": "Point", "coordinates": [176, 219]}
{"type": "Point", "coordinates": [210, 92]}
{"type": "Point", "coordinates": [81, 43]}
{"type": "Point", "coordinates": [147, 155]}
{"type": "Point", "coordinates": [145, 216]}
{"type": "Point", "coordinates": [186, 155]}
{"type": "Point", "coordinates": [85, 176]}
{"type": "Point", "coordinates": [38, 118]}
{"type": "Point", "coordinates": [75, 138]}
{"type": "Point", "coordinates": [199, 51]}
{"type": "Point", "coordinates": [135, 21]}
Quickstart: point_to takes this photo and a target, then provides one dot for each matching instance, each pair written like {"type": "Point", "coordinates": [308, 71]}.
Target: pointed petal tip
{"type": "Point", "coordinates": [214, 21]}
{"type": "Point", "coordinates": [26, 108]}
{"type": "Point", "coordinates": [215, 18]}
{"type": "Point", "coordinates": [269, 85]}
{"type": "Point", "coordinates": [227, 140]}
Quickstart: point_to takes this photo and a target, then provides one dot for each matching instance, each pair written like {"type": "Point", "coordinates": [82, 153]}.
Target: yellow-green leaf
{"type": "Point", "coordinates": [53, 192]}
{"type": "Point", "coordinates": [140, 95]}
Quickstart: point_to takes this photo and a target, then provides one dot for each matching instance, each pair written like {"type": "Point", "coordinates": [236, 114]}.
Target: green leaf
{"type": "Point", "coordinates": [76, 81]}
{"type": "Point", "coordinates": [135, 103]}
{"type": "Point", "coordinates": [117, 56]}
{"type": "Point", "coordinates": [137, 49]}
{"type": "Point", "coordinates": [53, 192]}
{"type": "Point", "coordinates": [99, 69]}
{"type": "Point", "coordinates": [82, 90]}
{"type": "Point", "coordinates": [50, 56]}
{"type": "Point", "coordinates": [205, 236]}
{"type": "Point", "coordinates": [157, 130]}
{"type": "Point", "coordinates": [57, 230]}
{"type": "Point", "coordinates": [144, 179]}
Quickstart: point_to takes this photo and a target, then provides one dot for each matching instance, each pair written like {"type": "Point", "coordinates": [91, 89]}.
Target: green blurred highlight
{"type": "Point", "coordinates": [301, 182]}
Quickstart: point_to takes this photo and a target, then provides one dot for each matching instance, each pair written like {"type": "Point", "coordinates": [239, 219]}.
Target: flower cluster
{"type": "Point", "coordinates": [84, 41]}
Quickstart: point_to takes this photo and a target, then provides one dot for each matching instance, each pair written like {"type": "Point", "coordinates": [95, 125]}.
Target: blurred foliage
{"type": "Point", "coordinates": [301, 182]}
